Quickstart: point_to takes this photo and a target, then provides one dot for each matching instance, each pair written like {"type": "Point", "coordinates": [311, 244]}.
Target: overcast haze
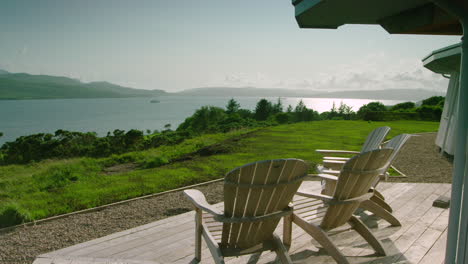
{"type": "Point", "coordinates": [176, 45]}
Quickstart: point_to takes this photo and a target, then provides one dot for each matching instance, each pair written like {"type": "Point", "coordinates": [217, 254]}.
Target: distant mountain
{"type": "Point", "coordinates": [390, 94]}
{"type": "Point", "coordinates": [28, 86]}
{"type": "Point", "coordinates": [247, 91]}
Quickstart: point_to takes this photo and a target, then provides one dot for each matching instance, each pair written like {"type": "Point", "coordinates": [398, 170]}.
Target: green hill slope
{"type": "Point", "coordinates": [27, 86]}
{"type": "Point", "coordinates": [61, 186]}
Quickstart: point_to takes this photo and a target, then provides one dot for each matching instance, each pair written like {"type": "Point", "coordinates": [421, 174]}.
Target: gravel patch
{"type": "Point", "coordinates": [23, 244]}
{"type": "Point", "coordinates": [419, 160]}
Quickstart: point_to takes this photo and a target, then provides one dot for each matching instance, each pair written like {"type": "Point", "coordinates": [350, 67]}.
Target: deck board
{"type": "Point", "coordinates": [420, 239]}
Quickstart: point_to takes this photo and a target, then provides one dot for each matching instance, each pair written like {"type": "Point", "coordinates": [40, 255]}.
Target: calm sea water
{"type": "Point", "coordinates": [25, 117]}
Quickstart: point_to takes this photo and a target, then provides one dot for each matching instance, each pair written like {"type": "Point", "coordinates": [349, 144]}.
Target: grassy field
{"type": "Point", "coordinates": [60, 186]}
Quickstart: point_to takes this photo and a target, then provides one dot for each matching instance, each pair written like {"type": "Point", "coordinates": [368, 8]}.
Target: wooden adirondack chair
{"type": "Point", "coordinates": [373, 141]}
{"type": "Point", "coordinates": [256, 197]}
{"type": "Point", "coordinates": [376, 204]}
{"type": "Point", "coordinates": [319, 213]}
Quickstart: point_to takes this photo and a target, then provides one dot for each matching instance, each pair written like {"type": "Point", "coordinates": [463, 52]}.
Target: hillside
{"type": "Point", "coordinates": [391, 94]}
{"type": "Point", "coordinates": [57, 186]}
{"type": "Point", "coordinates": [27, 86]}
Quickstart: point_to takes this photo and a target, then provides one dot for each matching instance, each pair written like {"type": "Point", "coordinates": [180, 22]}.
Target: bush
{"type": "Point", "coordinates": [429, 112]}
{"type": "Point", "coordinates": [390, 116]}
{"type": "Point", "coordinates": [434, 100]}
{"type": "Point", "coordinates": [12, 214]}
{"type": "Point", "coordinates": [403, 106]}
{"type": "Point", "coordinates": [426, 113]}
{"type": "Point", "coordinates": [155, 162]}
{"type": "Point", "coordinates": [205, 119]}
{"type": "Point", "coordinates": [371, 107]}
{"type": "Point", "coordinates": [283, 118]}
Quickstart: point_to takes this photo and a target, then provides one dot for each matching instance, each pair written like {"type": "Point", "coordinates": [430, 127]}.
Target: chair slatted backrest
{"type": "Point", "coordinates": [375, 138]}
{"type": "Point", "coordinates": [396, 144]}
{"type": "Point", "coordinates": [258, 189]}
{"type": "Point", "coordinates": [355, 179]}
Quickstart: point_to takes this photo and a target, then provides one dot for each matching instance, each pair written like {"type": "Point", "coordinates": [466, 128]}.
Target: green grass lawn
{"type": "Point", "coordinates": [60, 186]}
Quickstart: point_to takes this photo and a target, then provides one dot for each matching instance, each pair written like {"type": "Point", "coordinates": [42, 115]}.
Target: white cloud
{"type": "Point", "coordinates": [374, 72]}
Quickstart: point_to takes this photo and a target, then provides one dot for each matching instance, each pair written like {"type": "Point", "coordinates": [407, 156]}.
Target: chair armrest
{"type": "Point", "coordinates": [323, 197]}
{"type": "Point", "coordinates": [331, 172]}
{"type": "Point", "coordinates": [324, 176]}
{"type": "Point", "coordinates": [329, 151]}
{"type": "Point", "coordinates": [336, 158]}
{"type": "Point", "coordinates": [332, 201]}
{"type": "Point", "coordinates": [198, 200]}
{"type": "Point", "coordinates": [335, 162]}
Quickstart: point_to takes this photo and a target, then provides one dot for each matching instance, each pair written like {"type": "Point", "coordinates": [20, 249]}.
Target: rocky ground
{"type": "Point", "coordinates": [419, 160]}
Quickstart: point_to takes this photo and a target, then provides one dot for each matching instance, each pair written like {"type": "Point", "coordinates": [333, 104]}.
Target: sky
{"type": "Point", "coordinates": [183, 44]}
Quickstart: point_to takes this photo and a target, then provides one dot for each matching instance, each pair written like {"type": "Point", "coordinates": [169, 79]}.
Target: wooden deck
{"type": "Point", "coordinates": [420, 239]}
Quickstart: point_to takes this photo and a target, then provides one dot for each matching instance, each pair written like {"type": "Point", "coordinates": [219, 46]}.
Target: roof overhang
{"type": "Point", "coordinates": [445, 60]}
{"type": "Point", "coordinates": [395, 16]}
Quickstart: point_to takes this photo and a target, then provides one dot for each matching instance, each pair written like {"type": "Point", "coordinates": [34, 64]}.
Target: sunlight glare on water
{"type": "Point", "coordinates": [26, 117]}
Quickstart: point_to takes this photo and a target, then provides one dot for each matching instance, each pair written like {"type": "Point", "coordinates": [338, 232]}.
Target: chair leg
{"type": "Point", "coordinates": [362, 229]}
{"type": "Point", "coordinates": [378, 194]}
{"type": "Point", "coordinates": [281, 250]}
{"type": "Point", "coordinates": [380, 212]}
{"type": "Point", "coordinates": [318, 234]}
{"type": "Point", "coordinates": [198, 233]}
{"type": "Point", "coordinates": [382, 203]}
{"type": "Point", "coordinates": [287, 231]}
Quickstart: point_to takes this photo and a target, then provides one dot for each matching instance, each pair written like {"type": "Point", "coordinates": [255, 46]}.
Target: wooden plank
{"type": "Point", "coordinates": [436, 253]}
{"type": "Point", "coordinates": [153, 245]}
{"type": "Point", "coordinates": [414, 194]}
{"type": "Point", "coordinates": [412, 205]}
{"type": "Point", "coordinates": [113, 246]}
{"type": "Point", "coordinates": [434, 218]}
{"type": "Point", "coordinates": [412, 227]}
{"type": "Point", "coordinates": [165, 223]}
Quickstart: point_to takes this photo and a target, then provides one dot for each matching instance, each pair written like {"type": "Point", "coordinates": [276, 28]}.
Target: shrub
{"type": "Point", "coordinates": [371, 107]}
{"type": "Point", "coordinates": [155, 162]}
{"type": "Point", "coordinates": [205, 119]}
{"type": "Point", "coordinates": [12, 214]}
{"type": "Point", "coordinates": [390, 116]}
{"type": "Point", "coordinates": [403, 106]}
{"type": "Point", "coordinates": [429, 112]}
{"type": "Point", "coordinates": [434, 100]}
{"type": "Point", "coordinates": [283, 118]}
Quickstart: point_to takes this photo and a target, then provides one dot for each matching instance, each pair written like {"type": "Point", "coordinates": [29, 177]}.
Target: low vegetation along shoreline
{"type": "Point", "coordinates": [44, 175]}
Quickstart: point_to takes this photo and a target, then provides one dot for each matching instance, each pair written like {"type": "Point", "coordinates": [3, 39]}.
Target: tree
{"type": "Point", "coordinates": [345, 111]}
{"type": "Point", "coordinates": [289, 109]}
{"type": "Point", "coordinates": [371, 107]}
{"type": "Point", "coordinates": [278, 107]}
{"type": "Point", "coordinates": [301, 113]}
{"type": "Point", "coordinates": [403, 106]}
{"type": "Point", "coordinates": [263, 110]}
{"type": "Point", "coordinates": [232, 107]}
{"type": "Point", "coordinates": [205, 119]}
{"type": "Point", "coordinates": [434, 100]}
